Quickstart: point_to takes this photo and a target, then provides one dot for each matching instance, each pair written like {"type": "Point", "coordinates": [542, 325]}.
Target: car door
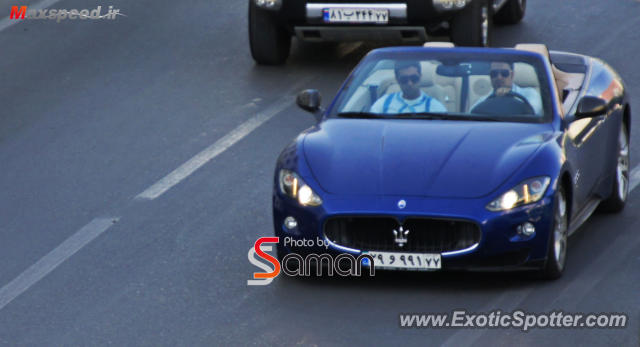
{"type": "Point", "coordinates": [592, 139]}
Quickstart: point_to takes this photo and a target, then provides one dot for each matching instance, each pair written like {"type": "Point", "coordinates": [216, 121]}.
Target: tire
{"type": "Point", "coordinates": [270, 43]}
{"type": "Point", "coordinates": [620, 188]}
{"type": "Point", "coordinates": [557, 246]}
{"type": "Point", "coordinates": [511, 13]}
{"type": "Point", "coordinates": [473, 26]}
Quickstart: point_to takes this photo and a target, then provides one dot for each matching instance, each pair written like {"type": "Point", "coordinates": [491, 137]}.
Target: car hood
{"type": "Point", "coordinates": [428, 158]}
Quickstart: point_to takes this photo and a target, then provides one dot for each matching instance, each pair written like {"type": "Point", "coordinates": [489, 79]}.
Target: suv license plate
{"type": "Point", "coordinates": [355, 15]}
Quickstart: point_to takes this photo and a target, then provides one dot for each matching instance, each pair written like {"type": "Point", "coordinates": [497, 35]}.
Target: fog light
{"type": "Point", "coordinates": [448, 5]}
{"type": "Point", "coordinates": [526, 229]}
{"type": "Point", "coordinates": [290, 223]}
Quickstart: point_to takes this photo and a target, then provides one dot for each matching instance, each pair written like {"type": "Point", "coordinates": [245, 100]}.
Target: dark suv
{"type": "Point", "coordinates": [467, 22]}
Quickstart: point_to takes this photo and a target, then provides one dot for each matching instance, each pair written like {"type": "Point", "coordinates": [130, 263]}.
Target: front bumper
{"type": "Point", "coordinates": [500, 245]}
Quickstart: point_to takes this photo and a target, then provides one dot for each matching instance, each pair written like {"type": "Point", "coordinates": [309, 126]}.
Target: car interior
{"type": "Point", "coordinates": [448, 90]}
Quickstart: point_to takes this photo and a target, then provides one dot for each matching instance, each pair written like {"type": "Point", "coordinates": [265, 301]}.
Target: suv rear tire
{"type": "Point", "coordinates": [270, 43]}
{"type": "Point", "coordinates": [512, 12]}
{"type": "Point", "coordinates": [473, 26]}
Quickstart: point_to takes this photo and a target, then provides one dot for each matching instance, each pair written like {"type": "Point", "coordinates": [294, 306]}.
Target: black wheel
{"type": "Point", "coordinates": [270, 43]}
{"type": "Point", "coordinates": [473, 26]}
{"type": "Point", "coordinates": [527, 105]}
{"type": "Point", "coordinates": [620, 188]}
{"type": "Point", "coordinates": [557, 248]}
{"type": "Point", "coordinates": [512, 12]}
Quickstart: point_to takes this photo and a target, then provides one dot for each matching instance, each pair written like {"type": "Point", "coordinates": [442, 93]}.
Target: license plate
{"type": "Point", "coordinates": [405, 261]}
{"type": "Point", "coordinates": [356, 15]}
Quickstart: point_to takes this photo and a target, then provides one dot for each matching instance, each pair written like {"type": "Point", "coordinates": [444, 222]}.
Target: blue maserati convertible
{"type": "Point", "coordinates": [442, 157]}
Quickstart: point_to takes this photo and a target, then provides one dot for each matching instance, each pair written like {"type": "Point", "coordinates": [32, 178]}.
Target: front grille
{"type": "Point", "coordinates": [425, 235]}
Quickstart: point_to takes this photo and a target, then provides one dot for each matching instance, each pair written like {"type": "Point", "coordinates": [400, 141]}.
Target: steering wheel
{"type": "Point", "coordinates": [510, 103]}
{"type": "Point", "coordinates": [523, 99]}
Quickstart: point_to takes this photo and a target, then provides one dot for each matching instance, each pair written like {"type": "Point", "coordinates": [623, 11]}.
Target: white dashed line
{"type": "Point", "coordinates": [49, 262]}
{"type": "Point", "coordinates": [634, 178]}
{"type": "Point", "coordinates": [218, 147]}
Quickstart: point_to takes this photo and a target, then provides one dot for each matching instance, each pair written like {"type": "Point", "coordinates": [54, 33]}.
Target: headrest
{"type": "Point", "coordinates": [439, 44]}
{"type": "Point", "coordinates": [536, 48]}
{"type": "Point", "coordinates": [524, 75]}
{"type": "Point", "coordinates": [428, 73]}
{"type": "Point", "coordinates": [482, 86]}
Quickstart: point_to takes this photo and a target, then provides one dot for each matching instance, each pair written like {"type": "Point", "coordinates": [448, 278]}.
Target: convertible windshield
{"type": "Point", "coordinates": [447, 85]}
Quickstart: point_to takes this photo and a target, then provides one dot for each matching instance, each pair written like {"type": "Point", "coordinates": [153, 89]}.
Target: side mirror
{"type": "Point", "coordinates": [591, 106]}
{"type": "Point", "coordinates": [309, 100]}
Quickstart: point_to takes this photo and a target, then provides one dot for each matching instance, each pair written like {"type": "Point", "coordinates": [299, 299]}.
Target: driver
{"type": "Point", "coordinates": [411, 99]}
{"type": "Point", "coordinates": [501, 74]}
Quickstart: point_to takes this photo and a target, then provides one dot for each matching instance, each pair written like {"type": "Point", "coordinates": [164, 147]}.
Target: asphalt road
{"type": "Point", "coordinates": [95, 112]}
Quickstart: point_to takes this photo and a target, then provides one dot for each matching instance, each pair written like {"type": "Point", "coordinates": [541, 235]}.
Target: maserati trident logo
{"type": "Point", "coordinates": [400, 236]}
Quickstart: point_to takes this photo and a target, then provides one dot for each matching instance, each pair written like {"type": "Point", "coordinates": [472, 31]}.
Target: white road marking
{"type": "Point", "coordinates": [237, 134]}
{"type": "Point", "coordinates": [49, 262]}
{"type": "Point", "coordinates": [6, 22]}
{"type": "Point", "coordinates": [97, 226]}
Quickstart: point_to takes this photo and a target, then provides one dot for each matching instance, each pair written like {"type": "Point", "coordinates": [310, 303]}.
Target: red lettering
{"type": "Point", "coordinates": [267, 257]}
{"type": "Point", "coordinates": [18, 12]}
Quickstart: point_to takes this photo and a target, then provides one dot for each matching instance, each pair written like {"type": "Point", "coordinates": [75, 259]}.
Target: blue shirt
{"type": "Point", "coordinates": [395, 103]}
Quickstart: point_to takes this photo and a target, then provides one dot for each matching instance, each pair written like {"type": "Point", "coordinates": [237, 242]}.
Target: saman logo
{"type": "Point", "coordinates": [295, 265]}
{"type": "Point", "coordinates": [266, 277]}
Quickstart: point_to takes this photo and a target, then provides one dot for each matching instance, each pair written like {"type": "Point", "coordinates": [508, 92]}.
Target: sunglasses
{"type": "Point", "coordinates": [502, 72]}
{"type": "Point", "coordinates": [406, 79]}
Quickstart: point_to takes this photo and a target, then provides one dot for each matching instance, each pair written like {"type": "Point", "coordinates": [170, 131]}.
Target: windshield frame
{"type": "Point", "coordinates": [363, 70]}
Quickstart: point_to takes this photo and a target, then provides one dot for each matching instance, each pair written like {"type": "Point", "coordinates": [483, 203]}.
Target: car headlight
{"type": "Point", "coordinates": [293, 186]}
{"type": "Point", "coordinates": [446, 5]}
{"type": "Point", "coordinates": [269, 4]}
{"type": "Point", "coordinates": [524, 193]}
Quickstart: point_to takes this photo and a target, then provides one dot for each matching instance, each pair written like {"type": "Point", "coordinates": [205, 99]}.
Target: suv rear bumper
{"type": "Point", "coordinates": [298, 13]}
{"type": "Point", "coordinates": [361, 33]}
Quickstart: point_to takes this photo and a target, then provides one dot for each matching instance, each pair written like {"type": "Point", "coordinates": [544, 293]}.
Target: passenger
{"type": "Point", "coordinates": [411, 99]}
